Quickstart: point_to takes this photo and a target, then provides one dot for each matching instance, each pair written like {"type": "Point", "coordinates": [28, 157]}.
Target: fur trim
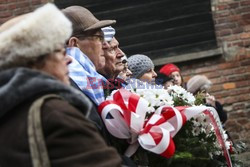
{"type": "Point", "coordinates": [38, 33]}
{"type": "Point", "coordinates": [198, 83]}
{"type": "Point", "coordinates": [20, 85]}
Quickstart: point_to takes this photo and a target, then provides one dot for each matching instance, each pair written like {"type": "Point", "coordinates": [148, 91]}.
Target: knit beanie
{"type": "Point", "coordinates": [198, 82]}
{"type": "Point", "coordinates": [168, 69]}
{"type": "Point", "coordinates": [109, 33]}
{"type": "Point", "coordinates": [139, 64]}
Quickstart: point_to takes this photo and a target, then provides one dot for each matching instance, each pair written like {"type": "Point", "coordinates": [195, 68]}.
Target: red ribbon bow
{"type": "Point", "coordinates": [125, 117]}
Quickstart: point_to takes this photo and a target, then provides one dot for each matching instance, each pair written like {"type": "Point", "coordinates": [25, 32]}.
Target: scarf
{"type": "Point", "coordinates": [83, 72]}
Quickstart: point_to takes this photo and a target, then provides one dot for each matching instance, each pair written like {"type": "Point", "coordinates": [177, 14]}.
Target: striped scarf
{"type": "Point", "coordinates": [83, 72]}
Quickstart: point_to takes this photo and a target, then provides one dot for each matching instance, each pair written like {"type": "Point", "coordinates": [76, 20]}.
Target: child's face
{"type": "Point", "coordinates": [167, 84]}
{"type": "Point", "coordinates": [177, 78]}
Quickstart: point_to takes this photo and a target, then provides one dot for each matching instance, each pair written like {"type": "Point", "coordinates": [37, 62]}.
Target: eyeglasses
{"type": "Point", "coordinates": [99, 37]}
{"type": "Point", "coordinates": [95, 36]}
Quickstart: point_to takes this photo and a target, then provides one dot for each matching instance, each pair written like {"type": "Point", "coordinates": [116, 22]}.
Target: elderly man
{"type": "Point", "coordinates": [125, 74]}
{"type": "Point", "coordinates": [113, 55]}
{"type": "Point", "coordinates": [113, 61]}
{"type": "Point", "coordinates": [85, 47]}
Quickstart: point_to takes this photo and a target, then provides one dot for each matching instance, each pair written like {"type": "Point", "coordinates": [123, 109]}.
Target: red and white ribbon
{"type": "Point", "coordinates": [125, 117]}
{"type": "Point", "coordinates": [215, 120]}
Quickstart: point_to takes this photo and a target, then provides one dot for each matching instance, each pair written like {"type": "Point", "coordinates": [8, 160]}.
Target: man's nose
{"type": "Point", "coordinates": [119, 53]}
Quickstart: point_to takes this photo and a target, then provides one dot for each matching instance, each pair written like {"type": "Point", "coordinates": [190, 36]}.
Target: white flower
{"type": "Point", "coordinates": [228, 144]}
{"type": "Point", "coordinates": [180, 93]}
{"type": "Point", "coordinates": [178, 89]}
{"type": "Point", "coordinates": [217, 153]}
{"type": "Point", "coordinates": [190, 98]}
{"type": "Point", "coordinates": [155, 95]}
{"type": "Point", "coordinates": [158, 97]}
{"type": "Point", "coordinates": [202, 124]}
{"type": "Point", "coordinates": [225, 135]}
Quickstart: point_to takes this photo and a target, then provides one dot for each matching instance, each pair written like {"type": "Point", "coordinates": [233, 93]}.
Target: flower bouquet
{"type": "Point", "coordinates": [167, 123]}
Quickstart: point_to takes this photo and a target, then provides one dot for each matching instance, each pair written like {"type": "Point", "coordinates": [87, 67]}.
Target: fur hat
{"type": "Point", "coordinates": [139, 64]}
{"type": "Point", "coordinates": [83, 20]}
{"type": "Point", "coordinates": [32, 35]}
{"type": "Point", "coordinates": [109, 33]}
{"type": "Point", "coordinates": [197, 83]}
{"type": "Point", "coordinates": [168, 69]}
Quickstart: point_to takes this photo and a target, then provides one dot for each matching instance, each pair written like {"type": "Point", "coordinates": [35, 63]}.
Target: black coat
{"type": "Point", "coordinates": [222, 114]}
{"type": "Point", "coordinates": [119, 144]}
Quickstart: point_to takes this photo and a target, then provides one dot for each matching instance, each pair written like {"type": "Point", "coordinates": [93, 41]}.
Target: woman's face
{"type": "Point", "coordinates": [56, 64]}
{"type": "Point", "coordinates": [149, 76]}
{"type": "Point", "coordinates": [177, 78]}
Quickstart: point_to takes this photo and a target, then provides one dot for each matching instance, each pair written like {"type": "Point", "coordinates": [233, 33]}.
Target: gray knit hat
{"type": "Point", "coordinates": [197, 83]}
{"type": "Point", "coordinates": [139, 64]}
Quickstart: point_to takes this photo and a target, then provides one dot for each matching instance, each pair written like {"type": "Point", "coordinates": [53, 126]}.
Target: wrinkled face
{"type": "Point", "coordinates": [149, 76]}
{"type": "Point", "coordinates": [113, 59]}
{"type": "Point", "coordinates": [92, 45]}
{"type": "Point", "coordinates": [177, 78]}
{"type": "Point", "coordinates": [125, 73]}
{"type": "Point", "coordinates": [110, 58]}
{"type": "Point", "coordinates": [119, 66]}
{"type": "Point", "coordinates": [56, 64]}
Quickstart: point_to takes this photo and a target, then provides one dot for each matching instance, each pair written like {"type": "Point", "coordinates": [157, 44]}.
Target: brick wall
{"type": "Point", "coordinates": [11, 8]}
{"type": "Point", "coordinates": [230, 72]}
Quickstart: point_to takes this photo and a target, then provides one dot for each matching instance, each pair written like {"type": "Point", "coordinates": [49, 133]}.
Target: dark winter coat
{"type": "Point", "coordinates": [119, 144]}
{"type": "Point", "coordinates": [71, 139]}
{"type": "Point", "coordinates": [222, 114]}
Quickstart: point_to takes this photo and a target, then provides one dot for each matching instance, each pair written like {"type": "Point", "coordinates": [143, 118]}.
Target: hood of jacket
{"type": "Point", "coordinates": [18, 85]}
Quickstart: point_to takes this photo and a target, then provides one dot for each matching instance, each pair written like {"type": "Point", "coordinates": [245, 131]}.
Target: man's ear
{"type": "Point", "coordinates": [72, 42]}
